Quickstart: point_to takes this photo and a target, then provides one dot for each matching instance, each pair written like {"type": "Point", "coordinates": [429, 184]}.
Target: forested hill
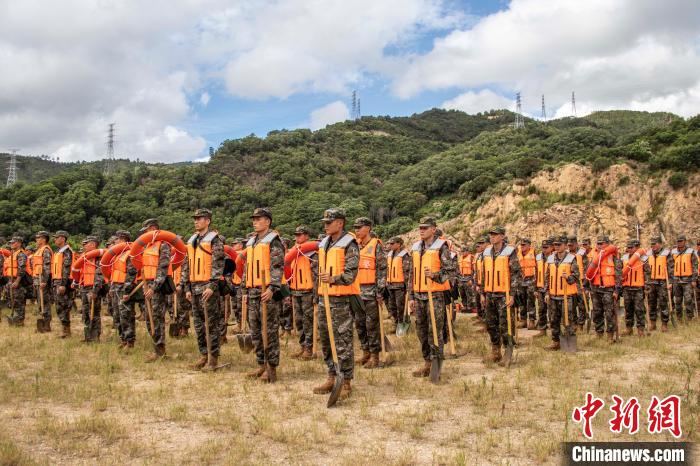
{"type": "Point", "coordinates": [392, 169]}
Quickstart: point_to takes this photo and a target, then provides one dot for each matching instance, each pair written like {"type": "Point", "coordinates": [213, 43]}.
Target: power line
{"type": "Point", "coordinates": [12, 171]}
{"type": "Point", "coordinates": [109, 161]}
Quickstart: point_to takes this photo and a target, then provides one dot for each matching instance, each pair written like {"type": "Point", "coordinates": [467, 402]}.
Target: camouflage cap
{"type": "Point", "coordinates": [17, 239]}
{"type": "Point", "coordinates": [262, 212]}
{"type": "Point", "coordinates": [61, 233]}
{"type": "Point", "coordinates": [395, 240]}
{"type": "Point", "coordinates": [631, 243]}
{"type": "Point", "coordinates": [481, 241]}
{"type": "Point", "coordinates": [546, 243]}
{"type": "Point", "coordinates": [603, 239]}
{"type": "Point", "coordinates": [202, 213]}
{"type": "Point", "coordinates": [91, 239]}
{"type": "Point", "coordinates": [239, 240]}
{"type": "Point", "coordinates": [656, 240]}
{"type": "Point", "coordinates": [151, 222]}
{"type": "Point", "coordinates": [559, 240]}
{"type": "Point", "coordinates": [333, 214]}
{"type": "Point", "coordinates": [464, 248]}
{"type": "Point", "coordinates": [571, 238]}
{"type": "Point", "coordinates": [586, 242]}
{"type": "Point", "coordinates": [427, 221]}
{"type": "Point", "coordinates": [31, 248]}
{"type": "Point", "coordinates": [526, 241]}
{"type": "Point", "coordinates": [497, 230]}
{"type": "Point", "coordinates": [681, 238]}
{"type": "Point", "coordinates": [43, 233]}
{"type": "Point", "coordinates": [362, 222]}
{"type": "Point", "coordinates": [123, 234]}
{"type": "Point", "coordinates": [302, 230]}
{"type": "Point", "coordinates": [111, 240]}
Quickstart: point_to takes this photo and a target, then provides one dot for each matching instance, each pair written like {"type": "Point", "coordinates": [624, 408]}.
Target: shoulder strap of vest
{"type": "Point", "coordinates": [625, 257]}
{"type": "Point", "coordinates": [345, 241]}
{"type": "Point", "coordinates": [488, 251]}
{"type": "Point", "coordinates": [437, 244]}
{"type": "Point", "coordinates": [664, 252]}
{"type": "Point", "coordinates": [63, 248]}
{"type": "Point", "coordinates": [507, 251]}
{"type": "Point", "coordinates": [569, 258]}
{"type": "Point", "coordinates": [323, 244]}
{"type": "Point", "coordinates": [538, 257]}
{"type": "Point", "coordinates": [550, 259]}
{"type": "Point", "coordinates": [416, 246]}
{"type": "Point", "coordinates": [402, 253]}
{"type": "Point", "coordinates": [192, 238]}
{"type": "Point", "coordinates": [269, 237]}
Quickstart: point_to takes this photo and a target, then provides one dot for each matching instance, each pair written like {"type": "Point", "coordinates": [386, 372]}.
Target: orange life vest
{"type": "Point", "coordinates": [88, 273]}
{"type": "Point", "coordinates": [479, 265]}
{"type": "Point", "coordinates": [367, 270]}
{"type": "Point", "coordinates": [258, 261]}
{"type": "Point", "coordinates": [658, 264]}
{"type": "Point", "coordinates": [466, 265]}
{"type": "Point", "coordinates": [57, 262]}
{"type": "Point", "coordinates": [527, 263]}
{"type": "Point", "coordinates": [10, 265]}
{"type": "Point", "coordinates": [302, 278]}
{"type": "Point", "coordinates": [38, 260]}
{"type": "Point", "coordinates": [635, 277]}
{"type": "Point", "coordinates": [606, 277]}
{"type": "Point", "coordinates": [395, 263]}
{"type": "Point", "coordinates": [497, 270]}
{"type": "Point", "coordinates": [119, 268]}
{"type": "Point", "coordinates": [540, 262]}
{"type": "Point", "coordinates": [682, 262]}
{"type": "Point", "coordinates": [199, 259]}
{"type": "Point", "coordinates": [151, 255]}
{"type": "Point", "coordinates": [431, 259]}
{"type": "Point", "coordinates": [558, 286]}
{"type": "Point", "coordinates": [332, 261]}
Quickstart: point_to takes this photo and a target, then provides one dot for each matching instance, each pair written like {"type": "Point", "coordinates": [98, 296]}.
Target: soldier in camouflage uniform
{"type": "Point", "coordinates": [398, 266]}
{"type": "Point", "coordinates": [156, 269]}
{"type": "Point", "coordinates": [582, 262]}
{"type": "Point", "coordinates": [566, 278]}
{"type": "Point", "coordinates": [525, 292]}
{"type": "Point", "coordinates": [20, 282]}
{"type": "Point", "coordinates": [200, 279]}
{"type": "Point", "coordinates": [262, 278]}
{"type": "Point", "coordinates": [432, 269]}
{"type": "Point", "coordinates": [286, 323]}
{"type": "Point", "coordinates": [91, 282]}
{"type": "Point", "coordinates": [342, 290]}
{"type": "Point", "coordinates": [372, 279]}
{"type": "Point", "coordinates": [184, 306]}
{"type": "Point", "coordinates": [41, 267]}
{"type": "Point", "coordinates": [60, 276]}
{"type": "Point", "coordinates": [658, 284]}
{"type": "Point", "coordinates": [633, 289]}
{"type": "Point", "coordinates": [683, 270]}
{"type": "Point", "coordinates": [502, 276]}
{"type": "Point", "coordinates": [122, 282]}
{"type": "Point", "coordinates": [303, 286]}
{"type": "Point", "coordinates": [236, 298]}
{"type": "Point", "coordinates": [605, 291]}
{"type": "Point", "coordinates": [542, 285]}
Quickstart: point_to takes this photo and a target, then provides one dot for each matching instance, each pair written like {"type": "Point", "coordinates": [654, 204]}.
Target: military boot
{"type": "Point", "coordinates": [213, 363]}
{"type": "Point", "coordinates": [65, 331]}
{"type": "Point", "coordinates": [531, 325]}
{"type": "Point", "coordinates": [641, 332]}
{"type": "Point", "coordinates": [325, 387]}
{"type": "Point", "coordinates": [495, 354]}
{"type": "Point", "coordinates": [346, 391]}
{"type": "Point", "coordinates": [628, 331]}
{"type": "Point", "coordinates": [307, 355]}
{"type": "Point", "coordinates": [364, 358]}
{"type": "Point", "coordinates": [554, 346]}
{"type": "Point", "coordinates": [255, 373]}
{"type": "Point", "coordinates": [652, 325]}
{"type": "Point", "coordinates": [521, 324]}
{"type": "Point", "coordinates": [298, 354]}
{"type": "Point", "coordinates": [664, 327]}
{"type": "Point", "coordinates": [373, 361]}
{"type": "Point", "coordinates": [270, 374]}
{"type": "Point", "coordinates": [201, 362]}
{"type": "Point", "coordinates": [157, 354]}
{"type": "Point", "coordinates": [422, 371]}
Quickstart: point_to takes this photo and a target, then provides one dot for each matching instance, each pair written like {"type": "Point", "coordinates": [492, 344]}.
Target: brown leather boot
{"type": "Point", "coordinates": [346, 391]}
{"type": "Point", "coordinates": [422, 371]}
{"type": "Point", "coordinates": [373, 361]}
{"type": "Point", "coordinates": [223, 340]}
{"type": "Point", "coordinates": [122, 345]}
{"type": "Point", "coordinates": [652, 325]}
{"type": "Point", "coordinates": [580, 327]}
{"type": "Point", "coordinates": [157, 354]}
{"type": "Point", "coordinates": [65, 331]}
{"type": "Point", "coordinates": [363, 359]}
{"type": "Point", "coordinates": [664, 327]}
{"type": "Point", "coordinates": [325, 387]}
{"type": "Point", "coordinates": [554, 346]}
{"type": "Point", "coordinates": [540, 333]}
{"type": "Point", "coordinates": [213, 363]}
{"type": "Point", "coordinates": [307, 355]}
{"type": "Point", "coordinates": [495, 354]}
{"type": "Point", "coordinates": [531, 325]}
{"type": "Point", "coordinates": [641, 332]}
{"type": "Point", "coordinates": [47, 327]}
{"type": "Point", "coordinates": [298, 354]}
{"type": "Point", "coordinates": [611, 338]}
{"type": "Point", "coordinates": [270, 375]}
{"type": "Point", "coordinates": [201, 362]}
{"type": "Point", "coordinates": [628, 332]}
{"type": "Point", "coordinates": [255, 373]}
{"type": "Point", "coordinates": [521, 324]}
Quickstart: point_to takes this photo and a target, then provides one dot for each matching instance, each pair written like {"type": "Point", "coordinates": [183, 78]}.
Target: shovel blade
{"type": "Point", "coordinates": [435, 367]}
{"type": "Point", "coordinates": [508, 355]}
{"type": "Point", "coordinates": [40, 325]}
{"type": "Point", "coordinates": [387, 344]}
{"type": "Point", "coordinates": [337, 388]}
{"type": "Point", "coordinates": [245, 342]}
{"type": "Point", "coordinates": [402, 329]}
{"type": "Point", "coordinates": [174, 330]}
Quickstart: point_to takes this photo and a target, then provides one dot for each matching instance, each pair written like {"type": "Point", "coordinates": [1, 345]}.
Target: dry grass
{"type": "Point", "coordinates": [64, 402]}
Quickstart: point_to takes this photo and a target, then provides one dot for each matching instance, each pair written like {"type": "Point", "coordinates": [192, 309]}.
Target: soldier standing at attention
{"type": "Point", "coordinates": [561, 276]}
{"type": "Point", "coordinates": [20, 282]}
{"type": "Point", "coordinates": [303, 285]}
{"type": "Point", "coordinates": [633, 289]}
{"type": "Point", "coordinates": [41, 271]}
{"type": "Point", "coordinates": [61, 264]}
{"type": "Point", "coordinates": [658, 285]}
{"type": "Point", "coordinates": [526, 290]}
{"type": "Point", "coordinates": [91, 281]}
{"type": "Point", "coordinates": [465, 278]}
{"type": "Point", "coordinates": [397, 280]}
{"type": "Point", "coordinates": [605, 290]}
{"type": "Point", "coordinates": [122, 281]}
{"type": "Point", "coordinates": [683, 268]}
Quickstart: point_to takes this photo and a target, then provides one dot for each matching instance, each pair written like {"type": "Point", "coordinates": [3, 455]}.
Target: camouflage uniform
{"type": "Point", "coordinates": [45, 279]}
{"type": "Point", "coordinates": [635, 309]}
{"type": "Point", "coordinates": [286, 314]}
{"type": "Point", "coordinates": [212, 304]}
{"type": "Point", "coordinates": [274, 308]}
{"type": "Point", "coordinates": [657, 294]}
{"type": "Point", "coordinates": [64, 301]}
{"type": "Point", "coordinates": [341, 314]}
{"type": "Point", "coordinates": [92, 329]}
{"type": "Point", "coordinates": [578, 299]}
{"type": "Point", "coordinates": [556, 303]}
{"type": "Point", "coordinates": [367, 319]}
{"type": "Point", "coordinates": [397, 291]}
{"type": "Point", "coordinates": [604, 306]}
{"type": "Point", "coordinates": [424, 330]}
{"type": "Point", "coordinates": [159, 299]}
{"type": "Point", "coordinates": [465, 287]}
{"type": "Point", "coordinates": [304, 306]}
{"type": "Point", "coordinates": [124, 310]}
{"type": "Point", "coordinates": [184, 307]}
{"type": "Point", "coordinates": [18, 296]}
{"type": "Point", "coordinates": [541, 293]}
{"type": "Point", "coordinates": [525, 295]}
{"type": "Point", "coordinates": [496, 304]}
{"type": "Point", "coordinates": [683, 295]}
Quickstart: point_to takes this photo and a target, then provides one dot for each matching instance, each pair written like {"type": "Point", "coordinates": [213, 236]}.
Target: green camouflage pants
{"type": "Point", "coordinates": [91, 328]}
{"type": "Point", "coordinates": [274, 308]}
{"type": "Point", "coordinates": [64, 302]}
{"type": "Point", "coordinates": [497, 318]}
{"type": "Point", "coordinates": [304, 315]}
{"type": "Point", "coordinates": [684, 300]}
{"type": "Point", "coordinates": [542, 317]}
{"type": "Point", "coordinates": [367, 324]}
{"type": "Point", "coordinates": [127, 315]}
{"type": "Point", "coordinates": [658, 302]}
{"type": "Point", "coordinates": [396, 303]}
{"type": "Point", "coordinates": [213, 310]}
{"type": "Point", "coordinates": [184, 308]}
{"type": "Point", "coordinates": [556, 313]}
{"type": "Point", "coordinates": [342, 321]}
{"type": "Point", "coordinates": [45, 308]}
{"type": "Point", "coordinates": [604, 309]}
{"type": "Point", "coordinates": [525, 298]}
{"type": "Point", "coordinates": [424, 325]}
{"type": "Point", "coordinates": [158, 310]}
{"type": "Point", "coordinates": [466, 294]}
{"type": "Point", "coordinates": [635, 312]}
{"type": "Point", "coordinates": [18, 303]}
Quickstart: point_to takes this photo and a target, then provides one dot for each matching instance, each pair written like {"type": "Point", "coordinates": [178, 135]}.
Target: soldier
{"type": "Point", "coordinates": [111, 310]}
{"type": "Point", "coordinates": [61, 264]}
{"type": "Point", "coordinates": [122, 282]}
{"type": "Point", "coordinates": [200, 280]}
{"type": "Point", "coordinates": [562, 278]}
{"type": "Point", "coordinates": [303, 286]}
{"type": "Point", "coordinates": [372, 278]}
{"type": "Point", "coordinates": [582, 262]}
{"type": "Point", "coordinates": [41, 271]}
{"type": "Point", "coordinates": [526, 290]}
{"type": "Point", "coordinates": [286, 323]}
{"type": "Point", "coordinates": [683, 269]}
{"type": "Point", "coordinates": [541, 287]}
{"type": "Point", "coordinates": [479, 283]}
{"type": "Point", "coordinates": [432, 268]}
{"type": "Point", "coordinates": [465, 278]}
{"type": "Point", "coordinates": [236, 304]}
{"type": "Point", "coordinates": [262, 278]}
{"type": "Point", "coordinates": [184, 306]}
{"type": "Point", "coordinates": [20, 282]}
{"type": "Point", "coordinates": [338, 262]}
{"type": "Point", "coordinates": [397, 281]}
{"type": "Point", "coordinates": [91, 281]}
{"type": "Point", "coordinates": [633, 289]}
{"type": "Point", "coordinates": [501, 278]}
{"type": "Point", "coordinates": [605, 291]}
{"type": "Point", "coordinates": [156, 270]}
{"type": "Point", "coordinates": [658, 285]}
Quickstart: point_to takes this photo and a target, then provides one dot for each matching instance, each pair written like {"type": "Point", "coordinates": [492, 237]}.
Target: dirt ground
{"type": "Point", "coordinates": [65, 402]}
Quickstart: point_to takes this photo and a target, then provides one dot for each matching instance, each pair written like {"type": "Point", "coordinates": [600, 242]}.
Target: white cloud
{"type": "Point", "coordinates": [328, 114]}
{"type": "Point", "coordinates": [204, 99]}
{"type": "Point", "coordinates": [613, 53]}
{"type": "Point", "coordinates": [481, 101]}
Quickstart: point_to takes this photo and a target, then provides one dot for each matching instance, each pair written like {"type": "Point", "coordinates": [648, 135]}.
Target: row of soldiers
{"type": "Point", "coordinates": [359, 276]}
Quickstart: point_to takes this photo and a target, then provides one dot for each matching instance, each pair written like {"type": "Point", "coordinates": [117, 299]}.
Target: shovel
{"type": "Point", "coordinates": [510, 341]}
{"type": "Point", "coordinates": [589, 318]}
{"type": "Point", "coordinates": [386, 343]}
{"type": "Point", "coordinates": [294, 321]}
{"type": "Point", "coordinates": [314, 333]}
{"type": "Point", "coordinates": [405, 324]}
{"type": "Point", "coordinates": [568, 341]}
{"type": "Point", "coordinates": [90, 330]}
{"type": "Point", "coordinates": [245, 340]}
{"type": "Point", "coordinates": [435, 365]}
{"type": "Point", "coordinates": [174, 327]}
{"type": "Point", "coordinates": [339, 377]}
{"type": "Point", "coordinates": [150, 317]}
{"type": "Point", "coordinates": [670, 308]}
{"type": "Point", "coordinates": [453, 347]}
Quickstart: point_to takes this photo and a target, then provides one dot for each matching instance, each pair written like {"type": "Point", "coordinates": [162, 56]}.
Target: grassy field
{"type": "Point", "coordinates": [64, 402]}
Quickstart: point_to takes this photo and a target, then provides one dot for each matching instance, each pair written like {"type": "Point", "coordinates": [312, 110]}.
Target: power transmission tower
{"type": "Point", "coordinates": [573, 104]}
{"type": "Point", "coordinates": [544, 112]}
{"type": "Point", "coordinates": [359, 112]}
{"type": "Point", "coordinates": [109, 161]}
{"type": "Point", "coordinates": [519, 121]}
{"type": "Point", "coordinates": [12, 168]}
{"type": "Point", "coordinates": [354, 105]}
